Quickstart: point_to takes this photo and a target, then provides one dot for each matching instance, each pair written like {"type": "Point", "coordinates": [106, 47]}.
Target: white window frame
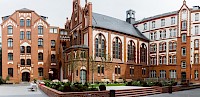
{"type": "Point", "coordinates": [162, 22]}
{"type": "Point", "coordinates": [153, 24]}
{"type": "Point", "coordinates": [172, 74]}
{"type": "Point", "coordinates": [196, 58]}
{"type": "Point", "coordinates": [196, 74]}
{"type": "Point", "coordinates": [196, 30]}
{"type": "Point", "coordinates": [196, 43]}
{"type": "Point", "coordinates": [183, 51]}
{"type": "Point", "coordinates": [184, 37]}
{"type": "Point", "coordinates": [145, 26]}
{"type": "Point", "coordinates": [183, 64]}
{"type": "Point", "coordinates": [196, 16]}
{"type": "Point", "coordinates": [170, 60]}
{"type": "Point", "coordinates": [162, 74]}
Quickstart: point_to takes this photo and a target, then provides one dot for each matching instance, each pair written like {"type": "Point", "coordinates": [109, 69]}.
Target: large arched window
{"type": "Point", "coordinates": [131, 51]}
{"type": "Point", "coordinates": [100, 47]}
{"type": "Point", "coordinates": [10, 42]}
{"type": "Point", "coordinates": [143, 53]}
{"type": "Point", "coordinates": [117, 48]}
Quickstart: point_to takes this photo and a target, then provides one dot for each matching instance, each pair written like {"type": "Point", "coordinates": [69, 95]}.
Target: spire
{"type": "Point", "coordinates": [184, 2]}
{"type": "Point", "coordinates": [85, 1]}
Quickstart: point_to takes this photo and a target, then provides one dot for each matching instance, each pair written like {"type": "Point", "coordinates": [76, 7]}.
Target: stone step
{"type": "Point", "coordinates": [137, 92]}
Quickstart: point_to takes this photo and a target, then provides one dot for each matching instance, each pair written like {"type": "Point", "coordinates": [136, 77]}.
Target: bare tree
{"type": "Point", "coordinates": [92, 66]}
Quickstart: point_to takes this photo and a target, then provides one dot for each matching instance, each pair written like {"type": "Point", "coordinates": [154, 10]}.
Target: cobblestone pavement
{"type": "Point", "coordinates": [19, 90]}
{"type": "Point", "coordinates": [186, 93]}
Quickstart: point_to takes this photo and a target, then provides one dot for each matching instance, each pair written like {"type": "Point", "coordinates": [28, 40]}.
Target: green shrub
{"type": "Point", "coordinates": [92, 89]}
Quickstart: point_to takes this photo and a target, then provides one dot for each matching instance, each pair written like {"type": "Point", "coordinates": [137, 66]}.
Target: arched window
{"type": "Point", "coordinates": [22, 49]}
{"type": "Point", "coordinates": [143, 53]}
{"type": "Point", "coordinates": [21, 22]}
{"type": "Point", "coordinates": [10, 30]}
{"type": "Point", "coordinates": [170, 46]}
{"type": "Point", "coordinates": [22, 62]}
{"type": "Point", "coordinates": [100, 47]}
{"type": "Point", "coordinates": [40, 30]}
{"type": "Point", "coordinates": [53, 58]}
{"type": "Point", "coordinates": [117, 48]}
{"type": "Point", "coordinates": [174, 45]}
{"type": "Point", "coordinates": [28, 22]}
{"type": "Point", "coordinates": [10, 56]}
{"type": "Point", "coordinates": [28, 62]}
{"type": "Point", "coordinates": [40, 56]}
{"type": "Point", "coordinates": [28, 35]}
{"type": "Point", "coordinates": [40, 71]}
{"type": "Point", "coordinates": [131, 51]}
{"type": "Point", "coordinates": [10, 42]}
{"type": "Point", "coordinates": [40, 42]}
{"type": "Point", "coordinates": [28, 49]}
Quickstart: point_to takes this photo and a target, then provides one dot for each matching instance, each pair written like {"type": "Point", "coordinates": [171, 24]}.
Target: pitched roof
{"type": "Point", "coordinates": [157, 16]}
{"type": "Point", "coordinates": [110, 23]}
{"type": "Point", "coordinates": [25, 10]}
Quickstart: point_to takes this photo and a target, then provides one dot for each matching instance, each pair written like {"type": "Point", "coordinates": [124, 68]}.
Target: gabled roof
{"type": "Point", "coordinates": [25, 10]}
{"type": "Point", "coordinates": [110, 23]}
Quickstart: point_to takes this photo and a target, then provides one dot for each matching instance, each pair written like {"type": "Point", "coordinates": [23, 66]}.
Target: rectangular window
{"type": "Point", "coordinates": [28, 35]}
{"type": "Point", "coordinates": [102, 70]}
{"type": "Point", "coordinates": [162, 22]}
{"type": "Point", "coordinates": [196, 58]}
{"type": "Point", "coordinates": [170, 59]}
{"type": "Point", "coordinates": [155, 61]}
{"type": "Point", "coordinates": [160, 58]}
{"type": "Point", "coordinates": [196, 43]}
{"type": "Point", "coordinates": [173, 20]}
{"type": "Point", "coordinates": [10, 56]}
{"type": "Point", "coordinates": [196, 74]}
{"type": "Point", "coordinates": [21, 35]}
{"type": "Point", "coordinates": [40, 71]}
{"type": "Point", "coordinates": [162, 74]}
{"type": "Point", "coordinates": [196, 16]}
{"type": "Point", "coordinates": [183, 51]}
{"type": "Point", "coordinates": [53, 30]}
{"type": "Point", "coordinates": [21, 22]}
{"type": "Point", "coordinates": [172, 74]}
{"type": "Point", "coordinates": [10, 72]}
{"type": "Point", "coordinates": [28, 22]}
{"type": "Point", "coordinates": [40, 30]}
{"type": "Point", "coordinates": [99, 69]}
{"type": "Point", "coordinates": [155, 35]}
{"type": "Point", "coordinates": [184, 38]}
{"type": "Point", "coordinates": [153, 74]}
{"type": "Point", "coordinates": [184, 25]}
{"type": "Point", "coordinates": [151, 36]}
{"type": "Point", "coordinates": [183, 64]}
{"type": "Point", "coordinates": [145, 26]}
{"type": "Point", "coordinates": [174, 32]}
{"type": "Point", "coordinates": [53, 43]}
{"type": "Point", "coordinates": [170, 33]}
{"type": "Point", "coordinates": [153, 24]}
{"type": "Point", "coordinates": [174, 60]}
{"type": "Point", "coordinates": [10, 30]}
{"type": "Point", "coordinates": [196, 30]}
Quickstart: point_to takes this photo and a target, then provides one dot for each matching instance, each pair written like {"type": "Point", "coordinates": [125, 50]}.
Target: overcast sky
{"type": "Point", "coordinates": [58, 10]}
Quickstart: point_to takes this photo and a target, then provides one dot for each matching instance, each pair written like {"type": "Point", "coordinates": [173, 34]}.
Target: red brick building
{"type": "Point", "coordinates": [30, 47]}
{"type": "Point", "coordinates": [102, 47]}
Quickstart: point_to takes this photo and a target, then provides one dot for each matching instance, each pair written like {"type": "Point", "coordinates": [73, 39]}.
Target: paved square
{"type": "Point", "coordinates": [186, 93]}
{"type": "Point", "coordinates": [19, 90]}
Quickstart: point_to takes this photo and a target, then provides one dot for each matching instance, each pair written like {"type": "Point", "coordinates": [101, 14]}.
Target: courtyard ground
{"type": "Point", "coordinates": [186, 93]}
{"type": "Point", "coordinates": [19, 90]}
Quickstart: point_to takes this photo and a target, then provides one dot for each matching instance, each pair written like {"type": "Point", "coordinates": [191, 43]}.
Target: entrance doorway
{"type": "Point", "coordinates": [183, 76]}
{"type": "Point", "coordinates": [26, 76]}
{"type": "Point", "coordinates": [83, 76]}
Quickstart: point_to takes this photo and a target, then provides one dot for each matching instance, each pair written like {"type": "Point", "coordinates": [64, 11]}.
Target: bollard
{"type": "Point", "coordinates": [112, 93]}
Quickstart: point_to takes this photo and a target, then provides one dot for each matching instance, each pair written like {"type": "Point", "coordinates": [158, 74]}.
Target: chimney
{"type": "Point", "coordinates": [130, 16]}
